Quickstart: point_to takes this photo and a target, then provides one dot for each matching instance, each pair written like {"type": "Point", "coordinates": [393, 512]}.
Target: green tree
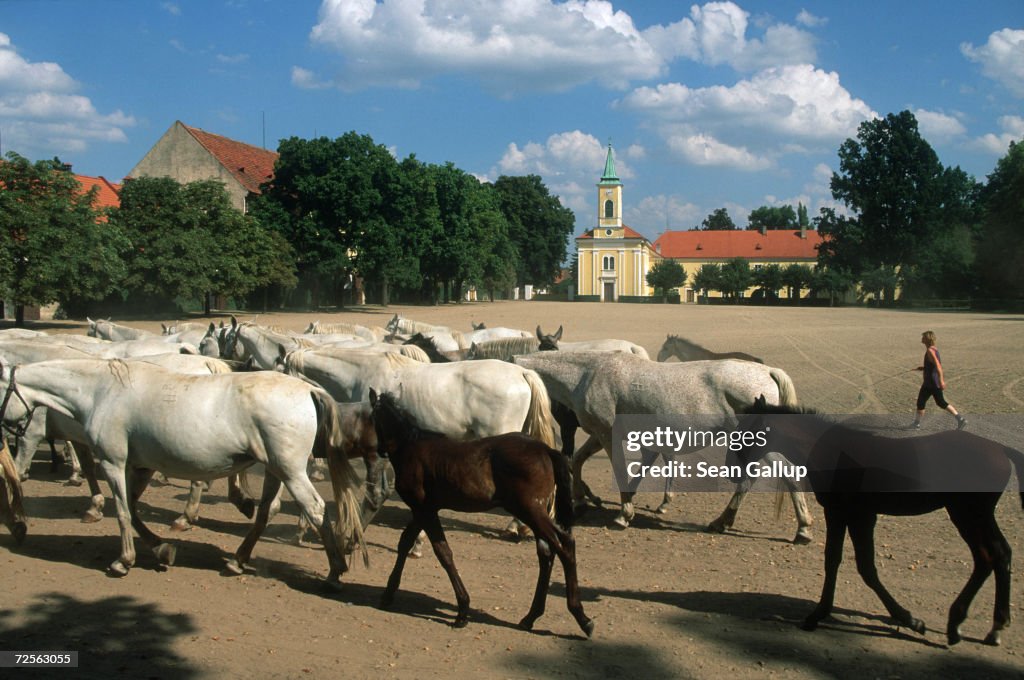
{"type": "Point", "coordinates": [769, 279]}
{"type": "Point", "coordinates": [833, 282]}
{"type": "Point", "coordinates": [802, 220]}
{"type": "Point", "coordinates": [538, 225]}
{"type": "Point", "coordinates": [719, 219]}
{"type": "Point", "coordinates": [735, 277]}
{"type": "Point", "coordinates": [666, 275]}
{"type": "Point", "coordinates": [1001, 237]}
{"type": "Point", "coordinates": [706, 278]}
{"type": "Point", "coordinates": [54, 246]}
{"type": "Point", "coordinates": [796, 277]}
{"type": "Point", "coordinates": [879, 282]}
{"type": "Point", "coordinates": [904, 204]}
{"type": "Point", "coordinates": [772, 217]}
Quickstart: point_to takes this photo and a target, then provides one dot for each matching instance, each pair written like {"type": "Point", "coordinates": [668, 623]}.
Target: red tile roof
{"type": "Point", "coordinates": [629, 233]}
{"type": "Point", "coordinates": [775, 244]}
{"type": "Point", "coordinates": [108, 193]}
{"type": "Point", "coordinates": [250, 165]}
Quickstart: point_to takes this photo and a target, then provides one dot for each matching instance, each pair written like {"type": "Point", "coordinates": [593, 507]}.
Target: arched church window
{"type": "Point", "coordinates": [609, 262]}
{"type": "Point", "coordinates": [609, 209]}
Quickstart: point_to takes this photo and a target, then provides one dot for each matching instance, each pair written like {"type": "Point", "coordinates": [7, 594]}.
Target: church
{"type": "Point", "coordinates": [613, 259]}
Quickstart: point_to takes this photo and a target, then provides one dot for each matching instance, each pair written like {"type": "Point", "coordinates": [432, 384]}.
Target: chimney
{"type": "Point", "coordinates": [803, 231]}
{"type": "Point", "coordinates": [764, 230]}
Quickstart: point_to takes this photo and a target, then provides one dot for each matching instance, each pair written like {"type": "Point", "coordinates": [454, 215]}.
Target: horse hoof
{"type": "Point", "coordinates": [992, 639]}
{"type": "Point", "coordinates": [662, 509]}
{"type": "Point", "coordinates": [717, 527]}
{"type": "Point", "coordinates": [953, 635]}
{"type": "Point", "coordinates": [621, 522]}
{"type": "Point", "coordinates": [416, 553]}
{"type": "Point", "coordinates": [803, 539]}
{"type": "Point", "coordinates": [91, 516]}
{"type": "Point", "coordinates": [74, 481]}
{"type": "Point", "coordinates": [19, 531]}
{"type": "Point", "coordinates": [588, 627]}
{"type": "Point", "coordinates": [916, 625]}
{"type": "Point", "coordinates": [526, 623]}
{"type": "Point", "coordinates": [809, 625]}
{"type": "Point", "coordinates": [117, 568]}
{"type": "Point", "coordinates": [386, 600]}
{"type": "Point", "coordinates": [460, 622]}
{"type": "Point", "coordinates": [332, 585]}
{"type": "Point", "coordinates": [181, 524]}
{"type": "Point", "coordinates": [234, 567]}
{"type": "Point", "coordinates": [166, 553]}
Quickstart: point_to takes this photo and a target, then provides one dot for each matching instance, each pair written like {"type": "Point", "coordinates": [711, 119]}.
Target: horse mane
{"type": "Point", "coordinates": [504, 348]}
{"type": "Point", "coordinates": [412, 352]}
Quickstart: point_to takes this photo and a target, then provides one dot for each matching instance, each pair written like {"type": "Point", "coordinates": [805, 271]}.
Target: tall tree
{"type": "Point", "coordinates": [54, 246]}
{"type": "Point", "coordinates": [796, 277]}
{"type": "Point", "coordinates": [903, 202]}
{"type": "Point", "coordinates": [735, 277]}
{"type": "Point", "coordinates": [718, 219]}
{"type": "Point", "coordinates": [802, 220]}
{"type": "Point", "coordinates": [772, 217]}
{"type": "Point", "coordinates": [769, 279]}
{"type": "Point", "coordinates": [666, 275]}
{"type": "Point", "coordinates": [706, 278]}
{"type": "Point", "coordinates": [539, 227]}
{"type": "Point", "coordinates": [1001, 238]}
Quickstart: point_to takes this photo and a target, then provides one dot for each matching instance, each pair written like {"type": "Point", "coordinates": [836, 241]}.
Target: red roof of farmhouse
{"type": "Point", "coordinates": [107, 194]}
{"type": "Point", "coordinates": [251, 165]}
{"type": "Point", "coordinates": [774, 244]}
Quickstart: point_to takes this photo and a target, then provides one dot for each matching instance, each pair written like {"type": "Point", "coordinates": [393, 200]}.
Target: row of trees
{"type": "Point", "coordinates": [765, 217]}
{"type": "Point", "coordinates": [734, 277]}
{"type": "Point", "coordinates": [336, 211]}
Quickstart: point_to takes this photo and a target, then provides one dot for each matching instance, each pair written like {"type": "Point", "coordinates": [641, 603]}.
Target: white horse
{"type": "Point", "coordinates": [141, 418]}
{"type": "Point", "coordinates": [598, 386]}
{"type": "Point", "coordinates": [12, 508]}
{"type": "Point", "coordinates": [554, 342]}
{"type": "Point", "coordinates": [108, 330]}
{"type": "Point", "coordinates": [372, 333]}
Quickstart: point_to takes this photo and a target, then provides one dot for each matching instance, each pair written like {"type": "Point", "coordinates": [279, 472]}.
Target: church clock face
{"type": "Point", "coordinates": [607, 232]}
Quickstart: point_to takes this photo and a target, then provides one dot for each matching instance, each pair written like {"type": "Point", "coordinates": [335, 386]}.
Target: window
{"type": "Point", "coordinates": [609, 262]}
{"type": "Point", "coordinates": [758, 267]}
{"type": "Point", "coordinates": [609, 209]}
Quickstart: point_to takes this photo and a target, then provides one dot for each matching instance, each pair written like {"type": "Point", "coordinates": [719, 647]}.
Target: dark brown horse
{"type": "Point", "coordinates": [512, 471]}
{"type": "Point", "coordinates": [857, 475]}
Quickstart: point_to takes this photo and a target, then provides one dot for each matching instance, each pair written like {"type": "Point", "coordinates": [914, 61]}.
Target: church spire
{"type": "Point", "coordinates": [609, 176]}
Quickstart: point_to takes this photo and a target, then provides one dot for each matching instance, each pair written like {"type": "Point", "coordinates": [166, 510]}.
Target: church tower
{"type": "Point", "coordinates": [609, 201]}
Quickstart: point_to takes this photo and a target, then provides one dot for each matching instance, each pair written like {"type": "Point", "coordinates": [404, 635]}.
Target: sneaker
{"type": "Point", "coordinates": [915, 425]}
{"type": "Point", "coordinates": [961, 422]}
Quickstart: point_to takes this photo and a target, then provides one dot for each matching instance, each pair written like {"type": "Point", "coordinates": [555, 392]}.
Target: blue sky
{"type": "Point", "coordinates": [721, 104]}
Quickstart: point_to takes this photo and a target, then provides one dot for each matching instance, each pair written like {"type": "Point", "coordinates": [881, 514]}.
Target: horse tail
{"type": "Point", "coordinates": [9, 474]}
{"type": "Point", "coordinates": [563, 489]}
{"type": "Point", "coordinates": [787, 391]}
{"type": "Point", "coordinates": [1017, 458]}
{"type": "Point", "coordinates": [329, 444]}
{"type": "Point", "coordinates": [539, 421]}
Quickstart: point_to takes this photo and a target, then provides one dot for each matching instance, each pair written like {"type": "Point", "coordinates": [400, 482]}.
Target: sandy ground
{"type": "Point", "coordinates": [670, 601]}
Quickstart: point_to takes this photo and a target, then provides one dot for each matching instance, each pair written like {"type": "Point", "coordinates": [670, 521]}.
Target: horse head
{"type": "Point", "coordinates": [548, 342]}
{"type": "Point", "coordinates": [478, 327]}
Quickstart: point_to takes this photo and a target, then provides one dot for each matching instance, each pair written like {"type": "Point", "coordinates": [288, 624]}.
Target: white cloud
{"type": "Point", "coordinates": [997, 144]}
{"type": "Point", "coordinates": [172, 8]}
{"type": "Point", "coordinates": [786, 110]}
{"type": "Point", "coordinates": [574, 154]}
{"type": "Point", "coordinates": [40, 112]}
{"type": "Point", "coordinates": [671, 212]}
{"type": "Point", "coordinates": [1001, 58]}
{"type": "Point", "coordinates": [240, 58]}
{"type": "Point", "coordinates": [515, 46]}
{"type": "Point", "coordinates": [938, 128]}
{"type": "Point", "coordinates": [805, 18]}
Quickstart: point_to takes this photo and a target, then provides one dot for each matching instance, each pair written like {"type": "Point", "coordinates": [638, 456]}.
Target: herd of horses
{"type": "Point", "coordinates": [465, 421]}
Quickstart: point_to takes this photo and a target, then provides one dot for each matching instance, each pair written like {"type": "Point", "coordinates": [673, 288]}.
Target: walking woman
{"type": "Point", "coordinates": [934, 383]}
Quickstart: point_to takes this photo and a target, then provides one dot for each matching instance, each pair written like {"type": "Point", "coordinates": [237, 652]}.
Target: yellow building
{"type": "Point", "coordinates": [612, 259]}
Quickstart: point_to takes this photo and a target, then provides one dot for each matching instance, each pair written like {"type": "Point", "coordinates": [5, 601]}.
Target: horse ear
{"type": "Point", "coordinates": [558, 335]}
{"type": "Point", "coordinates": [164, 327]}
{"type": "Point", "coordinates": [540, 336]}
{"type": "Point", "coordinates": [234, 321]}
{"type": "Point", "coordinates": [281, 352]}
{"type": "Point", "coordinates": [212, 329]}
{"type": "Point", "coordinates": [373, 398]}
{"type": "Point", "coordinates": [761, 402]}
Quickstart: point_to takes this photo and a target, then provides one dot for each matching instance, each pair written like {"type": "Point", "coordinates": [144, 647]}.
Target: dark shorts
{"type": "Point", "coordinates": [936, 392]}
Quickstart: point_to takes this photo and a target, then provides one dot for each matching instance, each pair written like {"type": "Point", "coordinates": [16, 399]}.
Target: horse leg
{"type": "Point", "coordinates": [432, 525]}
{"type": "Point", "coordinates": [271, 489]}
{"type": "Point", "coordinates": [12, 511]}
{"type": "Point", "coordinates": [87, 466]}
{"type": "Point", "coordinates": [190, 515]}
{"type": "Point", "coordinates": [239, 498]}
{"type": "Point", "coordinates": [835, 534]}
{"type": "Point", "coordinates": [313, 507]}
{"type": "Point", "coordinates": [115, 475]}
{"type": "Point", "coordinates": [862, 533]}
{"type": "Point", "coordinates": [56, 459]}
{"type": "Point", "coordinates": [728, 516]}
{"type": "Point", "coordinates": [546, 559]}
{"type": "Point", "coordinates": [551, 538]}
{"type": "Point", "coordinates": [990, 551]}
{"type": "Point", "coordinates": [666, 499]}
{"type": "Point", "coordinates": [405, 542]}
{"type": "Point", "coordinates": [580, 490]}
{"type": "Point", "coordinates": [71, 456]}
{"type": "Point", "coordinates": [804, 520]}
{"type": "Point", "coordinates": [138, 481]}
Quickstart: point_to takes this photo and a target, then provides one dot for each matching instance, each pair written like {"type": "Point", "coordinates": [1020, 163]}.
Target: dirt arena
{"type": "Point", "coordinates": [669, 600]}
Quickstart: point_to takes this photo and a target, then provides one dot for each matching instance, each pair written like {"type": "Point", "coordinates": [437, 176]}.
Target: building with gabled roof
{"type": "Point", "coordinates": [189, 154]}
{"type": "Point", "coordinates": [107, 193]}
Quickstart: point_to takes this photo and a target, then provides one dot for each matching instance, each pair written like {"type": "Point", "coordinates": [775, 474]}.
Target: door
{"type": "Point", "coordinates": [609, 291]}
